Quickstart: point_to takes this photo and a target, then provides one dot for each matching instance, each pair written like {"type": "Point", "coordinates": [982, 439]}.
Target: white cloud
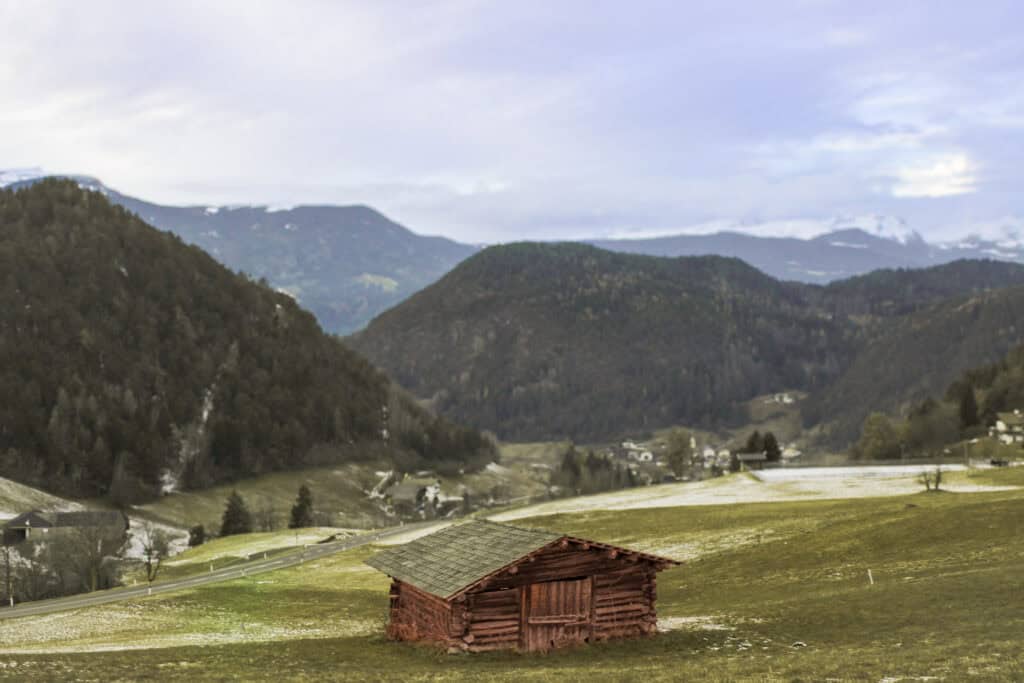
{"type": "Point", "coordinates": [942, 176]}
{"type": "Point", "coordinates": [845, 37]}
{"type": "Point", "coordinates": [488, 121]}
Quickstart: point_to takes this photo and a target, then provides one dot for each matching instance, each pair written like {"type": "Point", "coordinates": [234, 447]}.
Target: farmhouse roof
{"type": "Point", "coordinates": [33, 518]}
{"type": "Point", "coordinates": [452, 560]}
{"type": "Point", "coordinates": [87, 518]}
{"type": "Point", "coordinates": [38, 519]}
{"type": "Point", "coordinates": [1011, 419]}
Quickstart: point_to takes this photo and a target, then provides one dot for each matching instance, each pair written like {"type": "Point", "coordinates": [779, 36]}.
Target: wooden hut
{"type": "Point", "coordinates": [487, 586]}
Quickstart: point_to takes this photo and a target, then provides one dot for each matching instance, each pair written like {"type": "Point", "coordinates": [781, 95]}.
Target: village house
{"type": "Point", "coordinates": [487, 586]}
{"type": "Point", "coordinates": [1009, 427]}
{"type": "Point", "coordinates": [752, 461]}
{"type": "Point", "coordinates": [39, 525]}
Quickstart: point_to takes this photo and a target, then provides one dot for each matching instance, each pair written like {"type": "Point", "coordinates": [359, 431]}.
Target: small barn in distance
{"type": "Point", "coordinates": [488, 586]}
{"type": "Point", "coordinates": [40, 525]}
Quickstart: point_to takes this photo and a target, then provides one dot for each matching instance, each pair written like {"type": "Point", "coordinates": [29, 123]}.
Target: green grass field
{"type": "Point", "coordinates": [337, 492]}
{"type": "Point", "coordinates": [946, 605]}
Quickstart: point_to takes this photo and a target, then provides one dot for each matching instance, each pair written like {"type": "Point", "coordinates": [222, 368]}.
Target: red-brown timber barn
{"type": "Point", "coordinates": [487, 586]}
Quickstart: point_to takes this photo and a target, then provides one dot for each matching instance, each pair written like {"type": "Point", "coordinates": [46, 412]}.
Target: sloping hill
{"type": "Point", "coordinates": [564, 340]}
{"type": "Point", "coordinates": [131, 363]}
{"type": "Point", "coordinates": [345, 264]}
{"type": "Point", "coordinates": [916, 356]}
{"type": "Point", "coordinates": [540, 341]}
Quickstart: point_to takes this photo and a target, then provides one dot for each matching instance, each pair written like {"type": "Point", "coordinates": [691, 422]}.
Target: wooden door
{"type": "Point", "coordinates": [556, 613]}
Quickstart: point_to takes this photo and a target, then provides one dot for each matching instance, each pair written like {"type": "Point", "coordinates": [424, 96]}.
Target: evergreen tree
{"type": "Point", "coordinates": [968, 408]}
{"type": "Point", "coordinates": [237, 518]}
{"type": "Point", "coordinates": [771, 448]}
{"type": "Point", "coordinates": [734, 462]}
{"type": "Point", "coordinates": [879, 439]}
{"type": "Point", "coordinates": [302, 511]}
{"type": "Point", "coordinates": [196, 536]}
{"type": "Point", "coordinates": [755, 443]}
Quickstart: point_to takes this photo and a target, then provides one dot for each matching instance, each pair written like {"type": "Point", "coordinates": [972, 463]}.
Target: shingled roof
{"type": "Point", "coordinates": [33, 519]}
{"type": "Point", "coordinates": [452, 560]}
{"type": "Point", "coordinates": [445, 562]}
{"type": "Point", "coordinates": [78, 518]}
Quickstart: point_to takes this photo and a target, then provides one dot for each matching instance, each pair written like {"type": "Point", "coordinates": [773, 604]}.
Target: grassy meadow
{"type": "Point", "coordinates": [769, 591]}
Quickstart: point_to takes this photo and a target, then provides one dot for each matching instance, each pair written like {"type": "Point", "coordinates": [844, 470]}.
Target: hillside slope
{"type": "Point", "coordinates": [131, 363]}
{"type": "Point", "coordinates": [549, 341]}
{"type": "Point", "coordinates": [345, 264]}
{"type": "Point", "coordinates": [539, 341]}
{"type": "Point", "coordinates": [916, 356]}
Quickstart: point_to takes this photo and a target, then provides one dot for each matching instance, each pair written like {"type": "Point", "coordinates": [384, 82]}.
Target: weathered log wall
{"type": "Point", "coordinates": [624, 603]}
{"type": "Point", "coordinates": [492, 619]}
{"type": "Point", "coordinates": [417, 615]}
{"type": "Point", "coordinates": [494, 614]}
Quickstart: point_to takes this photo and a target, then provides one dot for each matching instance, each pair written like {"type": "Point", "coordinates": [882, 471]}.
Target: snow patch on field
{"type": "Point", "coordinates": [16, 498]}
{"type": "Point", "coordinates": [412, 534]}
{"type": "Point", "coordinates": [178, 539]}
{"type": "Point", "coordinates": [112, 629]}
{"type": "Point", "coordinates": [775, 486]}
{"type": "Point", "coordinates": [696, 623]}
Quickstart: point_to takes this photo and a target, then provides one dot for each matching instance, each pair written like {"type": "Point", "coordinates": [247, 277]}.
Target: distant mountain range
{"type": "Point", "coordinates": [346, 264]}
{"type": "Point", "coordinates": [848, 248]}
{"type": "Point", "coordinates": [538, 341]}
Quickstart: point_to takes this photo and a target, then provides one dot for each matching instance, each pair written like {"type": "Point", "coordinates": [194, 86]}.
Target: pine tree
{"type": "Point", "coordinates": [968, 408]}
{"type": "Point", "coordinates": [771, 448]}
{"type": "Point", "coordinates": [196, 536]}
{"type": "Point", "coordinates": [302, 511]}
{"type": "Point", "coordinates": [237, 519]}
{"type": "Point", "coordinates": [755, 443]}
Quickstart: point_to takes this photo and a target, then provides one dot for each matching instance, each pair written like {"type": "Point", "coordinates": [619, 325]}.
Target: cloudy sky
{"type": "Point", "coordinates": [492, 121]}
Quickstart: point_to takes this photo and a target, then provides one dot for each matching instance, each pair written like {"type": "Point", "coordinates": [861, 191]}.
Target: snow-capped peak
{"type": "Point", "coordinates": [881, 226]}
{"type": "Point", "coordinates": [1006, 232]}
{"type": "Point", "coordinates": [885, 227]}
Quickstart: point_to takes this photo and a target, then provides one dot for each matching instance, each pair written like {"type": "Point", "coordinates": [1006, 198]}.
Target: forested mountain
{"type": "Point", "coordinates": [554, 340]}
{"type": "Point", "coordinates": [917, 355]}
{"type": "Point", "coordinates": [131, 362]}
{"type": "Point", "coordinates": [346, 264]}
{"type": "Point", "coordinates": [971, 405]}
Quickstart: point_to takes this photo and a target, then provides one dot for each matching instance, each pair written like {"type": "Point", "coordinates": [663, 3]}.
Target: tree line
{"type": "Point", "coordinates": [966, 410]}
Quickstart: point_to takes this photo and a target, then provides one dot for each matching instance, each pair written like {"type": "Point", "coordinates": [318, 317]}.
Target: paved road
{"type": "Point", "coordinates": [311, 552]}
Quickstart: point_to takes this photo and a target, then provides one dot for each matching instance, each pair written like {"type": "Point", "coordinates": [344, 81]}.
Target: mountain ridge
{"type": "Point", "coordinates": [539, 340]}
{"type": "Point", "coordinates": [344, 263]}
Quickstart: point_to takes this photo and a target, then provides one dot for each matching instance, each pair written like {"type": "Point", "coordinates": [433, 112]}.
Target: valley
{"type": "Point", "coordinates": [540, 342]}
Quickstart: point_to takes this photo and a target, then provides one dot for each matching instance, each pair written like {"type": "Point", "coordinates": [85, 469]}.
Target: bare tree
{"type": "Point", "coordinates": [931, 479]}
{"type": "Point", "coordinates": [89, 556]}
{"type": "Point", "coordinates": [34, 575]}
{"type": "Point", "coordinates": [8, 572]}
{"type": "Point", "coordinates": [155, 549]}
{"type": "Point", "coordinates": [266, 516]}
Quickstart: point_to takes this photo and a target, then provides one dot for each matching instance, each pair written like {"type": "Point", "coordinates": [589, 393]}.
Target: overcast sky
{"type": "Point", "coordinates": [517, 119]}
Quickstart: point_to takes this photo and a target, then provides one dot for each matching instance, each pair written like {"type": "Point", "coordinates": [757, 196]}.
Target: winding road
{"type": "Point", "coordinates": [236, 571]}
